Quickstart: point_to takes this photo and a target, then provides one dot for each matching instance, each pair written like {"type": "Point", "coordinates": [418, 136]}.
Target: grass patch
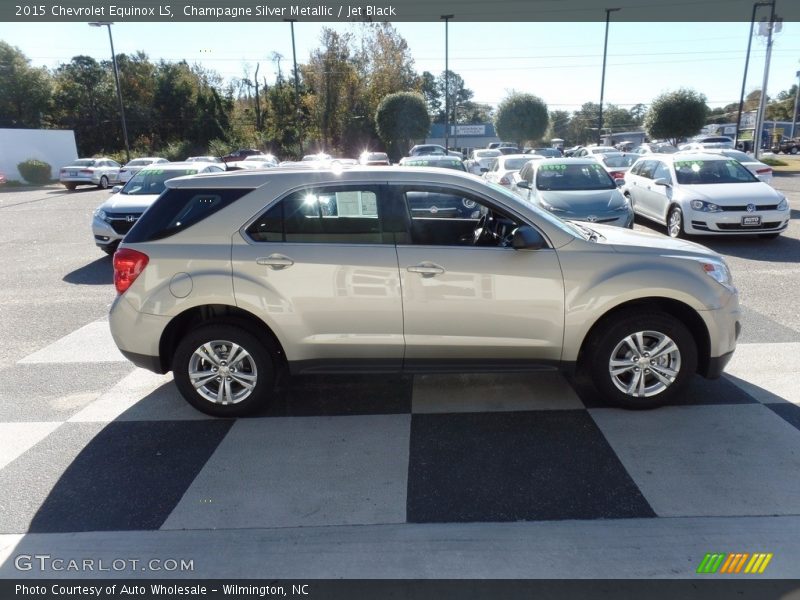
{"type": "Point", "coordinates": [774, 162]}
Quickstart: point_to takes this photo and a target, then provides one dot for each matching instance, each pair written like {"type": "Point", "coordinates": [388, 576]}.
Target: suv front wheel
{"type": "Point", "coordinates": [223, 370]}
{"type": "Point", "coordinates": [641, 360]}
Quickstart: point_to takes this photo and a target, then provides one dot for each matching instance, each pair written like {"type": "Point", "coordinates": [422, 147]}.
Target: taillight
{"type": "Point", "coordinates": [617, 174]}
{"type": "Point", "coordinates": [764, 171]}
{"type": "Point", "coordinates": [128, 265]}
{"type": "Point", "coordinates": [505, 180]}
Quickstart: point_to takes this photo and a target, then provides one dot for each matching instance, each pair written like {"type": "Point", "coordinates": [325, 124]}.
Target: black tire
{"type": "Point", "coordinates": [263, 366]}
{"type": "Point", "coordinates": [70, 186]}
{"type": "Point", "coordinates": [110, 248]}
{"type": "Point", "coordinates": [608, 341]}
{"type": "Point", "coordinates": [103, 185]}
{"type": "Point", "coordinates": [675, 213]}
{"type": "Point", "coordinates": [794, 150]}
{"type": "Point", "coordinates": [768, 236]}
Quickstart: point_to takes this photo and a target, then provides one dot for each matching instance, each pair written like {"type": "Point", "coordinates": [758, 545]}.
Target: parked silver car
{"type": "Point", "coordinates": [229, 279]}
{"type": "Point", "coordinates": [101, 172]}
{"type": "Point", "coordinates": [704, 193]}
{"type": "Point", "coordinates": [574, 188]}
{"type": "Point", "coordinates": [136, 165]}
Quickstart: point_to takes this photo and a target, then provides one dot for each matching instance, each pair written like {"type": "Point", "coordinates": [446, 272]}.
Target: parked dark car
{"type": "Point", "coordinates": [788, 146]}
{"type": "Point", "coordinates": [240, 154]}
{"type": "Point", "coordinates": [427, 149]}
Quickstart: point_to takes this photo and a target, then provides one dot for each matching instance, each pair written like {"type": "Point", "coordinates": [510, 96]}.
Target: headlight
{"type": "Point", "coordinates": [783, 204]}
{"type": "Point", "coordinates": [718, 271]}
{"type": "Point", "coordinates": [704, 206]}
{"type": "Point", "coordinates": [100, 214]}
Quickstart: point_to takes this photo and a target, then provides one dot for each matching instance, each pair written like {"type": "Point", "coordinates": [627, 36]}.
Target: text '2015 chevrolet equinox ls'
{"type": "Point", "coordinates": [229, 278]}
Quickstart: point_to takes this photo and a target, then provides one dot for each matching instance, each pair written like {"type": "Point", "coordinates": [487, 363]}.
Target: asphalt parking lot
{"type": "Point", "coordinates": [425, 476]}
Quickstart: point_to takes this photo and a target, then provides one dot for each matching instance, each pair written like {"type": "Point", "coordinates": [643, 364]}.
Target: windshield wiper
{"type": "Point", "coordinates": [593, 236]}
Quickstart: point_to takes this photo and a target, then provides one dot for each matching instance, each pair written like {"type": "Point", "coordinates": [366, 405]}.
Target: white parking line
{"type": "Point", "coordinates": [91, 343]}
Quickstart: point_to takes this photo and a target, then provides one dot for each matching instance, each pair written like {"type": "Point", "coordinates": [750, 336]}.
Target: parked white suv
{"type": "Point", "coordinates": [228, 279]}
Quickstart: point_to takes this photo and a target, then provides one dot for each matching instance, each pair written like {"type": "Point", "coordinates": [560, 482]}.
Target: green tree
{"type": "Point", "coordinates": [430, 91]}
{"type": "Point", "coordinates": [521, 117]}
{"type": "Point", "coordinates": [457, 95]}
{"type": "Point", "coordinates": [85, 101]}
{"type": "Point", "coordinates": [400, 118]}
{"type": "Point", "coordinates": [25, 91]}
{"type": "Point", "coordinates": [559, 124]}
{"type": "Point", "coordinates": [582, 126]}
{"type": "Point", "coordinates": [676, 115]}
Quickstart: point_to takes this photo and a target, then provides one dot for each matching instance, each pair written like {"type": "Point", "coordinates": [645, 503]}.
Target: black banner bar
{"type": "Point", "coordinates": [384, 10]}
{"type": "Point", "coordinates": [685, 589]}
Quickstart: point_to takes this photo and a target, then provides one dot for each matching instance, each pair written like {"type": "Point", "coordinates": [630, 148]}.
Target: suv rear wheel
{"type": "Point", "coordinates": [641, 359]}
{"type": "Point", "coordinates": [224, 371]}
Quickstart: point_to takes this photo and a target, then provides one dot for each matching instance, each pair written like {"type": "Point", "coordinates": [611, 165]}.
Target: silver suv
{"type": "Point", "coordinates": [229, 279]}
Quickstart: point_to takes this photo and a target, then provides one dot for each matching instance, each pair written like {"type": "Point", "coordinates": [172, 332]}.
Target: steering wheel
{"type": "Point", "coordinates": [482, 232]}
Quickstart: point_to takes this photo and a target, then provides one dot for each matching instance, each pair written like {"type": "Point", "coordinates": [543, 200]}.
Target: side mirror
{"type": "Point", "coordinates": [619, 181]}
{"type": "Point", "coordinates": [527, 238]}
{"type": "Point", "coordinates": [524, 184]}
{"type": "Point", "coordinates": [661, 181]}
{"type": "Point", "coordinates": [116, 189]}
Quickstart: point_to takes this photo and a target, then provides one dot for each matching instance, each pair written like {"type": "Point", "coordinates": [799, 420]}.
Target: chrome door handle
{"type": "Point", "coordinates": [426, 269]}
{"type": "Point", "coordinates": [276, 261]}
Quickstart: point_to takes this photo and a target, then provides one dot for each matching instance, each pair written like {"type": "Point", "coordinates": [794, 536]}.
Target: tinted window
{"type": "Point", "coordinates": [178, 209]}
{"type": "Point", "coordinates": [648, 168]}
{"type": "Point", "coordinates": [327, 216]}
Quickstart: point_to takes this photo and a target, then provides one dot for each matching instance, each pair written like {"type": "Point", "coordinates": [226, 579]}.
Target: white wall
{"type": "Point", "coordinates": [54, 146]}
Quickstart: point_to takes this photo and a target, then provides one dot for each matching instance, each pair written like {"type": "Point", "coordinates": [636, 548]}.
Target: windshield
{"type": "Point", "coordinates": [573, 177]}
{"type": "Point", "coordinates": [702, 172]}
{"type": "Point", "coordinates": [139, 162]}
{"type": "Point", "coordinates": [620, 160]}
{"type": "Point", "coordinates": [151, 181]}
{"type": "Point", "coordinates": [442, 164]}
{"type": "Point", "coordinates": [84, 162]}
{"type": "Point", "coordinates": [487, 153]}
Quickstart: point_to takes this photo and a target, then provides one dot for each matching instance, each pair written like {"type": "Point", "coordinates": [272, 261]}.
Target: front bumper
{"type": "Point", "coordinates": [730, 222]}
{"type": "Point", "coordinates": [724, 327]}
{"type": "Point", "coordinates": [615, 218]}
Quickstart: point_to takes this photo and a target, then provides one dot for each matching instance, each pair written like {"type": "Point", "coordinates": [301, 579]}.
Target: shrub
{"type": "Point", "coordinates": [773, 162]}
{"type": "Point", "coordinates": [35, 171]}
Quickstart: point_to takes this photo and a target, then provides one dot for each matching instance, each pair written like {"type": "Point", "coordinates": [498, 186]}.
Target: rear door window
{"type": "Point", "coordinates": [331, 215]}
{"type": "Point", "coordinates": [178, 209]}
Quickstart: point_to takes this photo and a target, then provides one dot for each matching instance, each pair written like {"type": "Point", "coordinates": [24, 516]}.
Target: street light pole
{"type": "Point", "coordinates": [763, 103]}
{"type": "Point", "coordinates": [603, 77]}
{"type": "Point", "coordinates": [297, 111]}
{"type": "Point", "coordinates": [119, 90]}
{"type": "Point", "coordinates": [446, 83]}
{"type": "Point", "coordinates": [796, 98]}
{"type": "Point", "coordinates": [744, 77]}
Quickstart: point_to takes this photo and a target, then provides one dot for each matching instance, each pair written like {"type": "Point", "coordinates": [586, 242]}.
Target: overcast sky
{"type": "Point", "coordinates": [560, 62]}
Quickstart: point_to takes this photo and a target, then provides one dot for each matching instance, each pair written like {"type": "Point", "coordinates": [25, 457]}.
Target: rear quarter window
{"type": "Point", "coordinates": [178, 209]}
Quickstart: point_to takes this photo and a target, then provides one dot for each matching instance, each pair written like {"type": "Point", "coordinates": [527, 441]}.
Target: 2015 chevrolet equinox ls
{"type": "Point", "coordinates": [227, 279]}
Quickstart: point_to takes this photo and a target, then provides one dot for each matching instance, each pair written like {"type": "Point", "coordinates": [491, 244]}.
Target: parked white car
{"type": "Point", "coordinates": [481, 159]}
{"type": "Point", "coordinates": [101, 172]}
{"type": "Point", "coordinates": [136, 165]}
{"type": "Point", "coordinates": [503, 169]}
{"type": "Point", "coordinates": [704, 193]}
{"type": "Point", "coordinates": [590, 150]}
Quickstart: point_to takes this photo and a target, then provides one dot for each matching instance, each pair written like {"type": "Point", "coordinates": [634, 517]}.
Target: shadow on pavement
{"type": "Point", "coordinates": [98, 272]}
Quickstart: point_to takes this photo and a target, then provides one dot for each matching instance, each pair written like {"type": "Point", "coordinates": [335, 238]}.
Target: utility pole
{"type": "Point", "coordinates": [119, 90]}
{"type": "Point", "coordinates": [603, 77]}
{"type": "Point", "coordinates": [744, 77]}
{"type": "Point", "coordinates": [796, 98]}
{"type": "Point", "coordinates": [763, 103]}
{"type": "Point", "coordinates": [297, 110]}
{"type": "Point", "coordinates": [446, 84]}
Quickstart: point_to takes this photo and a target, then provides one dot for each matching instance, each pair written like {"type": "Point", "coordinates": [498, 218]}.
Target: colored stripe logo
{"type": "Point", "coordinates": [735, 562]}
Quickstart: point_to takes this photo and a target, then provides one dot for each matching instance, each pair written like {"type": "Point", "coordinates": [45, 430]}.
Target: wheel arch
{"type": "Point", "coordinates": [675, 308]}
{"type": "Point", "coordinates": [207, 314]}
